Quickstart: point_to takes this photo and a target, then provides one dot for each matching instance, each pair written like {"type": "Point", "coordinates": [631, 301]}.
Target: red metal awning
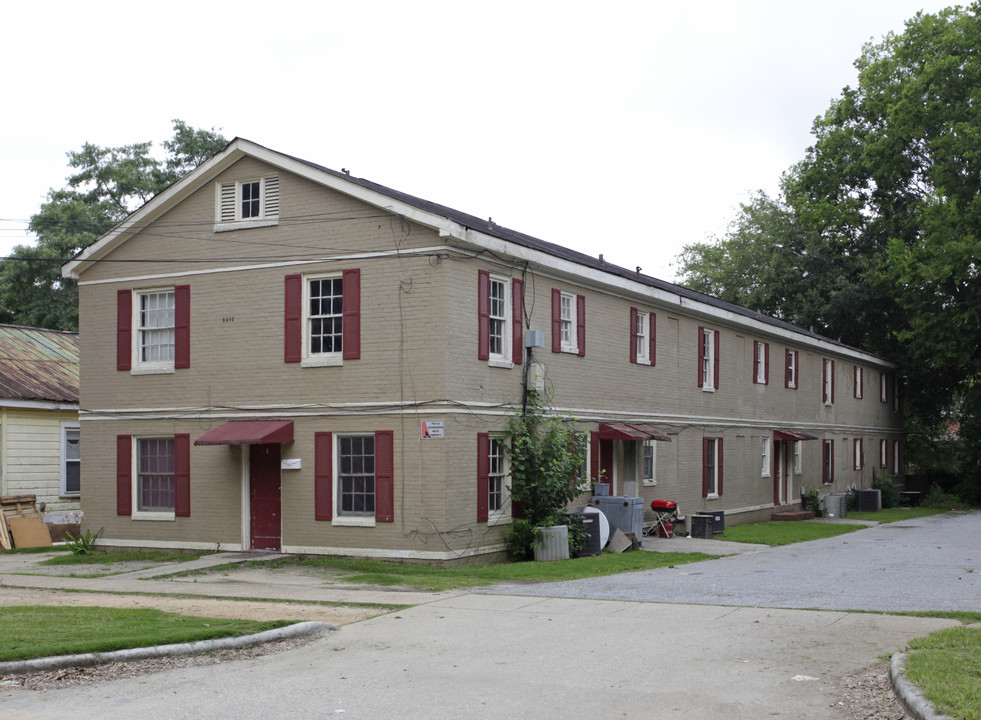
{"type": "Point", "coordinates": [792, 435]}
{"type": "Point", "coordinates": [624, 431]}
{"type": "Point", "coordinates": [249, 432]}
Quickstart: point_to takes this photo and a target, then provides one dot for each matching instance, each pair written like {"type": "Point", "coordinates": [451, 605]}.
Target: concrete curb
{"type": "Point", "coordinates": [302, 629]}
{"type": "Point", "coordinates": [908, 694]}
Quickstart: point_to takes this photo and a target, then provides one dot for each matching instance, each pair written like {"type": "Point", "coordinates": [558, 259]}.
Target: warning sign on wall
{"type": "Point", "coordinates": [431, 429]}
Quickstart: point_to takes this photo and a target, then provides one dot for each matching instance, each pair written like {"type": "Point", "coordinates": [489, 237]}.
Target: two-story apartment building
{"type": "Point", "coordinates": [278, 355]}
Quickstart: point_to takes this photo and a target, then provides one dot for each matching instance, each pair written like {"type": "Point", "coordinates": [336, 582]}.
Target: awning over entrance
{"type": "Point", "coordinates": [249, 432]}
{"type": "Point", "coordinates": [623, 431]}
{"type": "Point", "coordinates": [792, 435]}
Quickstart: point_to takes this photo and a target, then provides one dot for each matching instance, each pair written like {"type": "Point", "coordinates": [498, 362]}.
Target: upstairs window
{"type": "Point", "coordinates": [859, 382]}
{"type": "Point", "coordinates": [500, 332]}
{"type": "Point", "coordinates": [568, 323]}
{"type": "Point", "coordinates": [247, 203]}
{"type": "Point", "coordinates": [791, 364]}
{"type": "Point", "coordinates": [708, 359]}
{"type": "Point", "coordinates": [323, 318]}
{"type": "Point", "coordinates": [643, 342]}
{"type": "Point", "coordinates": [153, 330]}
{"type": "Point", "coordinates": [883, 387]}
{"type": "Point", "coordinates": [828, 382]}
{"type": "Point", "coordinates": [761, 362]}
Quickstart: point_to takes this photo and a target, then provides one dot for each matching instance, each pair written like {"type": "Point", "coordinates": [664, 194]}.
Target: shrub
{"type": "Point", "coordinates": [83, 544]}
{"type": "Point", "coordinates": [890, 495]}
{"type": "Point", "coordinates": [940, 498]}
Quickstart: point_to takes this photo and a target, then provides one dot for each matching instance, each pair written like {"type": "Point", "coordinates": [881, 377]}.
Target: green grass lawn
{"type": "Point", "coordinates": [891, 515]}
{"type": "Point", "coordinates": [37, 631]}
{"type": "Point", "coordinates": [947, 666]}
{"type": "Point", "coordinates": [434, 578]}
{"type": "Point", "coordinates": [776, 533]}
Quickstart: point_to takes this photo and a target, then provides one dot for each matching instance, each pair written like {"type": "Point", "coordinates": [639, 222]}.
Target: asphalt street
{"type": "Point", "coordinates": [933, 563]}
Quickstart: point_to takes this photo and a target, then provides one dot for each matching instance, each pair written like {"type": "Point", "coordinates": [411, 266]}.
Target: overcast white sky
{"type": "Point", "coordinates": [622, 128]}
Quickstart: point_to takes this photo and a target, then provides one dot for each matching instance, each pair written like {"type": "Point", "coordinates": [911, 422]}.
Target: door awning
{"type": "Point", "coordinates": [623, 431]}
{"type": "Point", "coordinates": [792, 435]}
{"type": "Point", "coordinates": [249, 432]}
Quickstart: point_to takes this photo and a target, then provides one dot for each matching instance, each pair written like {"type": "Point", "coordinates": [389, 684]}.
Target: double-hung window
{"type": "Point", "coordinates": [711, 466]}
{"type": "Point", "coordinates": [155, 325]}
{"type": "Point", "coordinates": [155, 488]}
{"type": "Point", "coordinates": [247, 203]}
{"type": "Point", "coordinates": [650, 451]}
{"type": "Point", "coordinates": [828, 462]}
{"type": "Point", "coordinates": [497, 480]}
{"type": "Point", "coordinates": [323, 318]}
{"type": "Point", "coordinates": [765, 453]}
{"type": "Point", "coordinates": [568, 322]}
{"type": "Point", "coordinates": [883, 454]}
{"type": "Point", "coordinates": [791, 364]}
{"type": "Point", "coordinates": [500, 332]}
{"type": "Point", "coordinates": [798, 458]}
{"type": "Point", "coordinates": [858, 456]}
{"type": "Point", "coordinates": [153, 476]}
{"type": "Point", "coordinates": [761, 362]}
{"type": "Point", "coordinates": [356, 476]}
{"type": "Point", "coordinates": [71, 458]}
{"type": "Point", "coordinates": [896, 464]}
{"type": "Point", "coordinates": [859, 382]}
{"type": "Point", "coordinates": [153, 330]}
{"type": "Point", "coordinates": [643, 334]}
{"type": "Point", "coordinates": [828, 382]}
{"type": "Point", "coordinates": [708, 359]}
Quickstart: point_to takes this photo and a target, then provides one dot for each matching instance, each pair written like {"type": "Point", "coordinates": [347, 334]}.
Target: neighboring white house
{"type": "Point", "coordinates": [39, 430]}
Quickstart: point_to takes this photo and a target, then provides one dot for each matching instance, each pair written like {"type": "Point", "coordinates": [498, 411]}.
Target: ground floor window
{"type": "Point", "coordinates": [356, 475]}
{"type": "Point", "coordinates": [649, 463]}
{"type": "Point", "coordinates": [497, 486]}
{"type": "Point", "coordinates": [155, 475]}
{"type": "Point", "coordinates": [711, 467]}
{"type": "Point", "coordinates": [71, 459]}
{"type": "Point", "coordinates": [828, 462]}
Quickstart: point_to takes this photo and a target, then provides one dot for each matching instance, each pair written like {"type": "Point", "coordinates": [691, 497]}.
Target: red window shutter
{"type": "Point", "coordinates": [351, 313]}
{"type": "Point", "coordinates": [294, 318]}
{"type": "Point", "coordinates": [556, 320]}
{"type": "Point", "coordinates": [384, 476]}
{"type": "Point", "coordinates": [653, 339]}
{"type": "Point", "coordinates": [705, 466]}
{"type": "Point", "coordinates": [483, 475]}
{"type": "Point", "coordinates": [701, 356]}
{"type": "Point", "coordinates": [124, 475]}
{"type": "Point", "coordinates": [182, 475]}
{"type": "Point", "coordinates": [323, 476]}
{"type": "Point", "coordinates": [720, 466]}
{"type": "Point", "coordinates": [517, 321]}
{"type": "Point", "coordinates": [633, 334]}
{"type": "Point", "coordinates": [581, 324]}
{"type": "Point", "coordinates": [483, 315]}
{"type": "Point", "coordinates": [124, 330]}
{"type": "Point", "coordinates": [766, 363]}
{"type": "Point", "coordinates": [715, 369]}
{"type": "Point", "coordinates": [182, 326]}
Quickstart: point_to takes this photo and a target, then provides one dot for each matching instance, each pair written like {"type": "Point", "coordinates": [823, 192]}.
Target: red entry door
{"type": "Point", "coordinates": [265, 499]}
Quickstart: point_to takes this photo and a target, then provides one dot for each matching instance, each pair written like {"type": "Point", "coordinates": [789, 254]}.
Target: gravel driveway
{"type": "Point", "coordinates": [932, 563]}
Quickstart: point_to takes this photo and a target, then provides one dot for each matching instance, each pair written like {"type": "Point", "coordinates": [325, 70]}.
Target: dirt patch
{"type": "Point", "coordinates": [867, 694]}
{"type": "Point", "coordinates": [336, 615]}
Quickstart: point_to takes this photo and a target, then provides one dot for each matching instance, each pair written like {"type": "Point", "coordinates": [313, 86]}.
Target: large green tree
{"type": "Point", "coordinates": [107, 185]}
{"type": "Point", "coordinates": [876, 235]}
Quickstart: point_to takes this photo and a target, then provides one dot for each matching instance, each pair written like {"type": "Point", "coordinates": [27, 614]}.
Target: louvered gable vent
{"type": "Point", "coordinates": [227, 203]}
{"type": "Point", "coordinates": [272, 196]}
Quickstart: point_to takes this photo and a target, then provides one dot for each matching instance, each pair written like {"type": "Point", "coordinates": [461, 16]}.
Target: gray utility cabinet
{"type": "Point", "coordinates": [624, 513]}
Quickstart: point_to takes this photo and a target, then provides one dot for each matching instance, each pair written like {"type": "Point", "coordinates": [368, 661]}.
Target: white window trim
{"type": "Point", "coordinates": [502, 359]}
{"type": "Point", "coordinates": [138, 366]}
{"type": "Point", "coordinates": [829, 381]}
{"type": "Point", "coordinates": [268, 204]}
{"type": "Point", "coordinates": [136, 513]}
{"type": "Point", "coordinates": [309, 359]}
{"type": "Point", "coordinates": [765, 456]}
{"type": "Point", "coordinates": [65, 427]}
{"type": "Point", "coordinates": [883, 455]}
{"type": "Point", "coordinates": [883, 387]}
{"type": "Point", "coordinates": [502, 516]}
{"type": "Point", "coordinates": [759, 351]}
{"type": "Point", "coordinates": [572, 345]}
{"type": "Point", "coordinates": [348, 520]}
{"type": "Point", "coordinates": [643, 341]}
{"type": "Point", "coordinates": [792, 365]}
{"type": "Point", "coordinates": [858, 383]}
{"type": "Point", "coordinates": [708, 360]}
{"type": "Point", "coordinates": [895, 458]}
{"type": "Point", "coordinates": [714, 494]}
{"type": "Point", "coordinates": [858, 459]}
{"type": "Point", "coordinates": [798, 459]}
{"type": "Point", "coordinates": [652, 480]}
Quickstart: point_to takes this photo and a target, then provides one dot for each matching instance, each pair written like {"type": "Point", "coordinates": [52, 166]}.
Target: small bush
{"type": "Point", "coordinates": [940, 498]}
{"type": "Point", "coordinates": [83, 544]}
{"type": "Point", "coordinates": [811, 498]}
{"type": "Point", "coordinates": [888, 491]}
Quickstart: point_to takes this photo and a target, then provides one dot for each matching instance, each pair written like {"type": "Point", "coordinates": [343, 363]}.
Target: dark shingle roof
{"type": "Point", "coordinates": [37, 364]}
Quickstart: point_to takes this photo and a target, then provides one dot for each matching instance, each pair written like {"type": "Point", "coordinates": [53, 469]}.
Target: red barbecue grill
{"type": "Point", "coordinates": [665, 512]}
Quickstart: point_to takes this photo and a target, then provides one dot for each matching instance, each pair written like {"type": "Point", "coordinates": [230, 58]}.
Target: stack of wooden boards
{"type": "Point", "coordinates": [21, 525]}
